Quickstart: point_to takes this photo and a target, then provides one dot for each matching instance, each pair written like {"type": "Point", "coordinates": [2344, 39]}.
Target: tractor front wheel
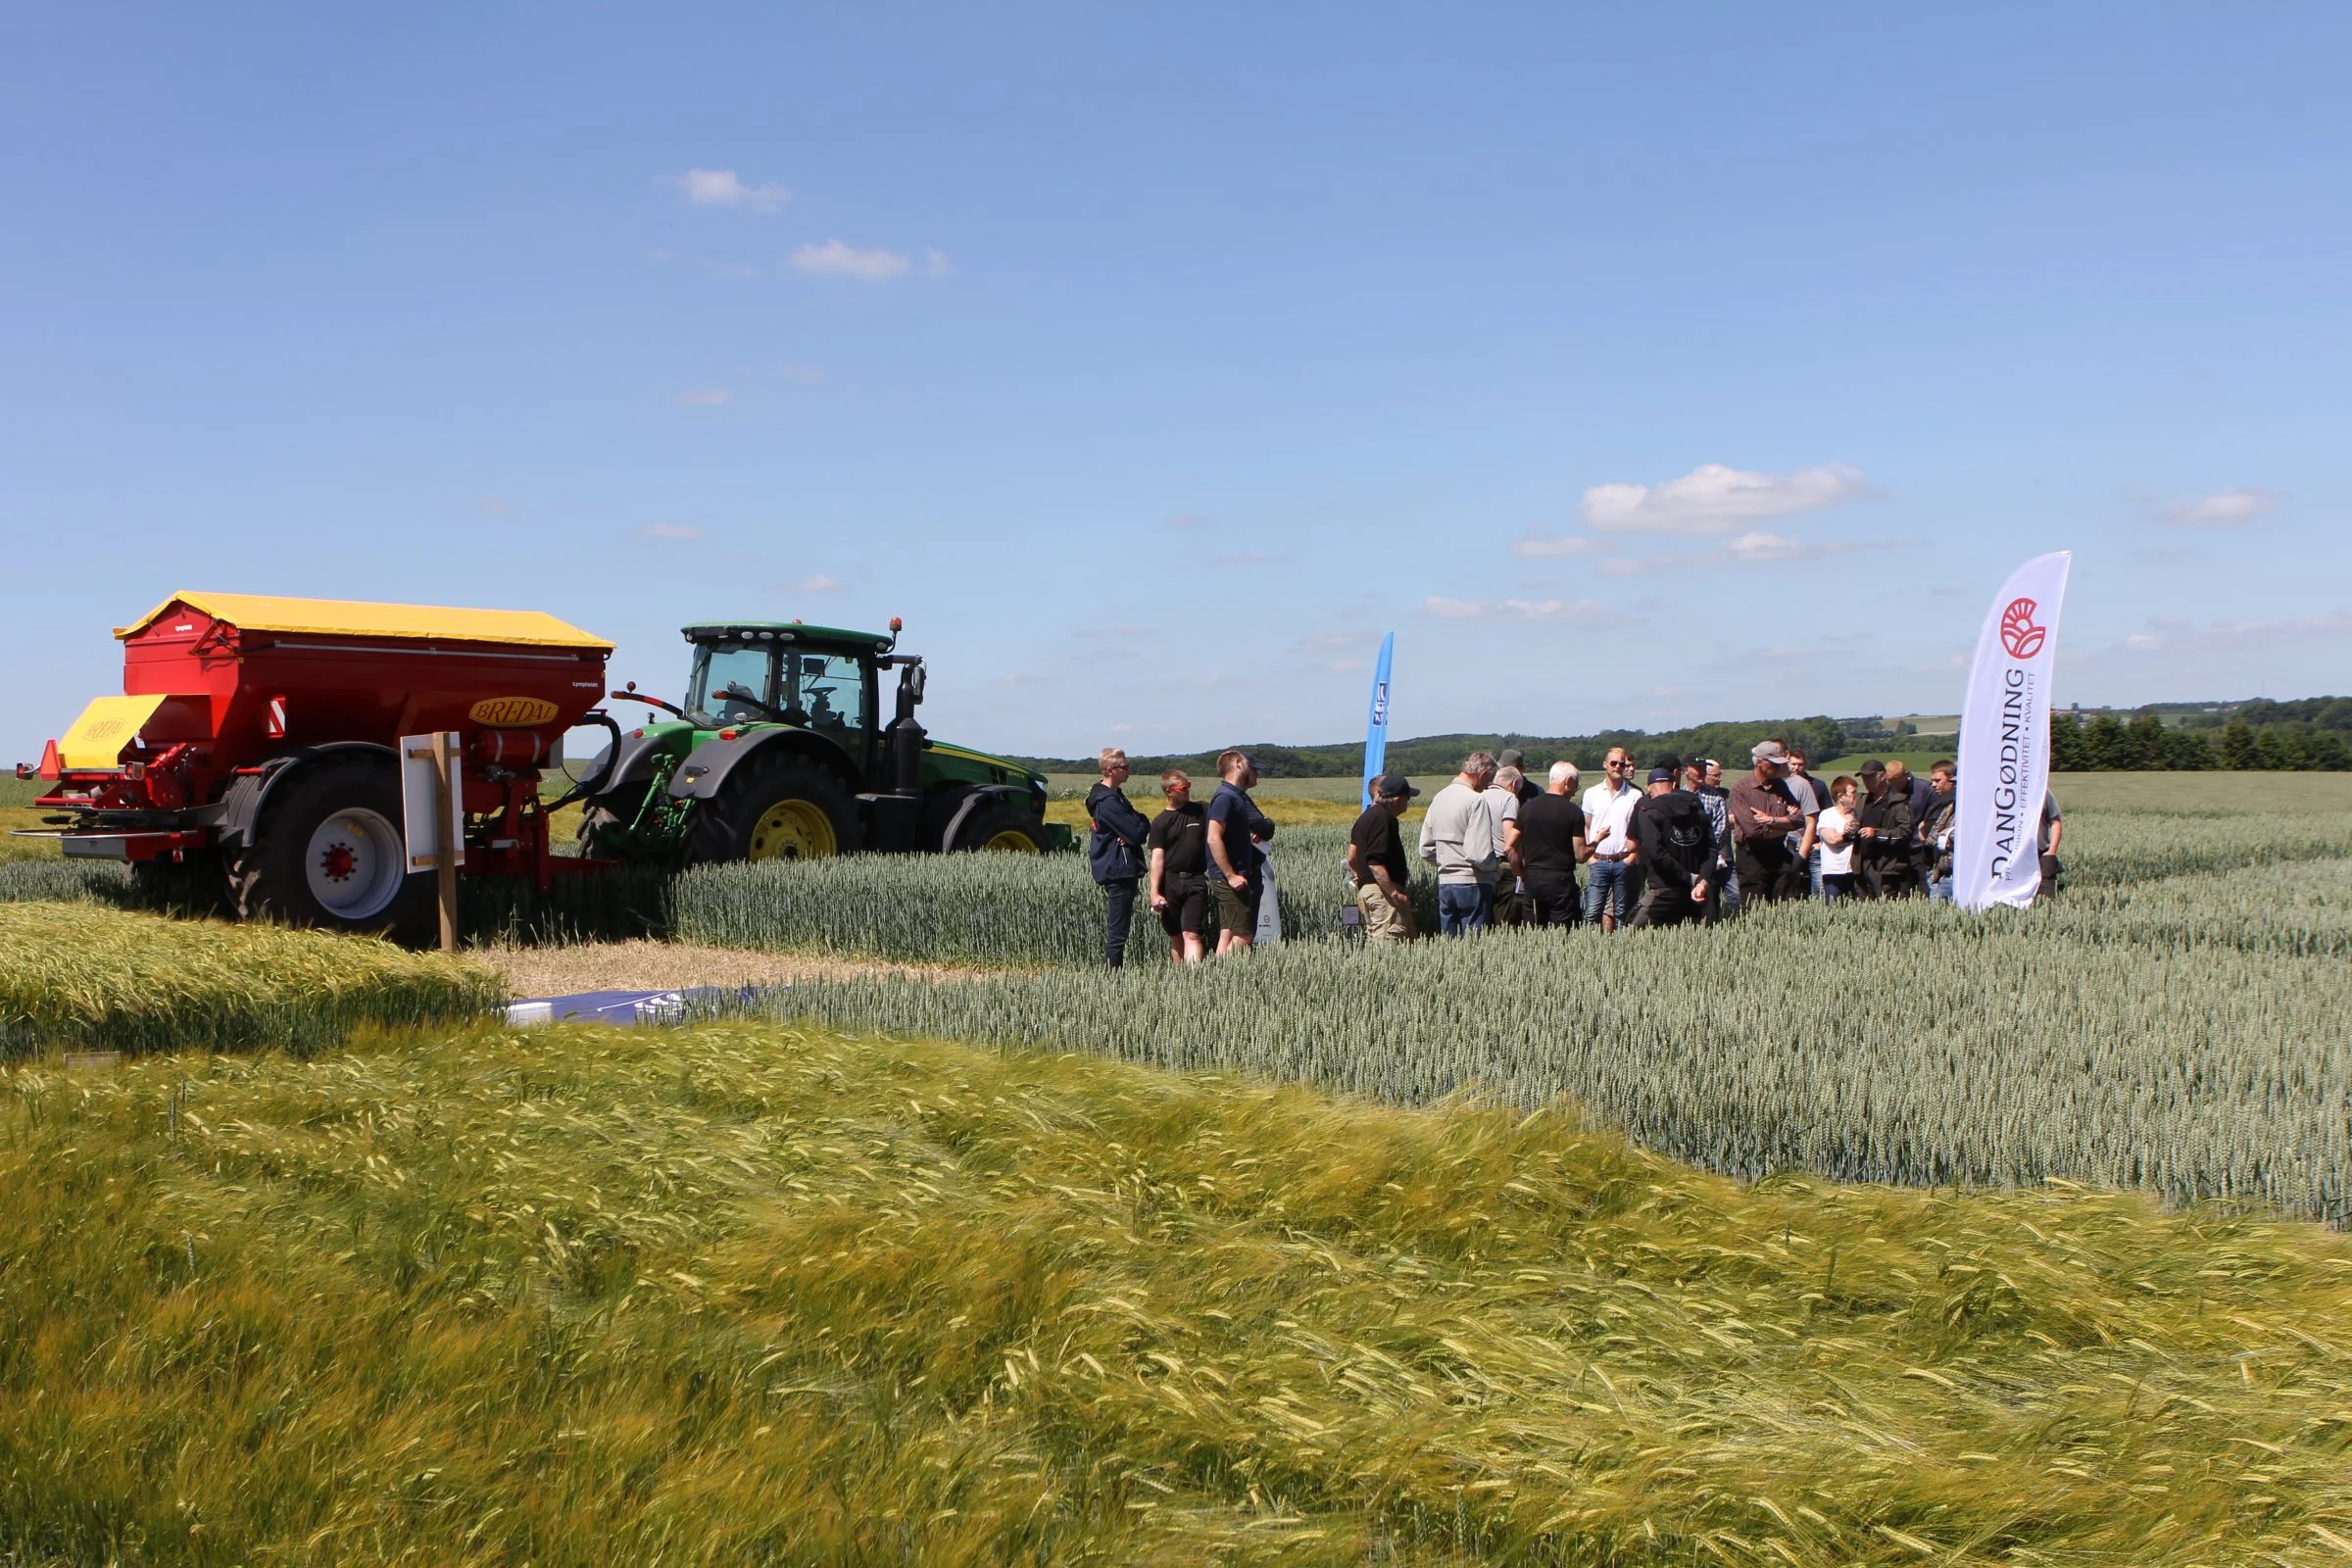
{"type": "Point", "coordinates": [776, 808]}
{"type": "Point", "coordinates": [1004, 828]}
{"type": "Point", "coordinates": [329, 852]}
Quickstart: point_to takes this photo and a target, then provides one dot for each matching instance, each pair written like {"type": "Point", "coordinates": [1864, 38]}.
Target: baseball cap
{"type": "Point", "coordinates": [1390, 785]}
{"type": "Point", "coordinates": [1661, 775]}
{"type": "Point", "coordinates": [1872, 769]}
{"type": "Point", "coordinates": [1769, 752]}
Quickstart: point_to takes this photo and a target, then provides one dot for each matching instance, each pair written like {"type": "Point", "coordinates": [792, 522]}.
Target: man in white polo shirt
{"type": "Point", "coordinates": [1608, 821]}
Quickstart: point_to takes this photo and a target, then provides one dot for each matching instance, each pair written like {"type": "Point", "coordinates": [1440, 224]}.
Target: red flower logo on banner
{"type": "Point", "coordinates": [2019, 634]}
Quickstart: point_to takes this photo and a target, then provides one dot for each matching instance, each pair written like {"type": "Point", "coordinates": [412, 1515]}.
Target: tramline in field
{"type": "Point", "coordinates": [258, 737]}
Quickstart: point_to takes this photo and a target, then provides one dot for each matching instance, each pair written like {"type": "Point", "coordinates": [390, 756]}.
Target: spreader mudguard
{"type": "Point", "coordinates": [233, 817]}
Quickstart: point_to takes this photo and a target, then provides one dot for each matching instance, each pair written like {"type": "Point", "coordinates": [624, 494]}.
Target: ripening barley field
{"type": "Point", "coordinates": [748, 1294]}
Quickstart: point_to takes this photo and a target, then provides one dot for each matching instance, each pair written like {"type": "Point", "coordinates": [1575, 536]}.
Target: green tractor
{"type": "Point", "coordinates": [780, 753]}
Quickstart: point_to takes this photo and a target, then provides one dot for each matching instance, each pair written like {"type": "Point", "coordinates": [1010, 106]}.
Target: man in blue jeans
{"type": "Point", "coordinates": [1461, 837]}
{"type": "Point", "coordinates": [1611, 879]}
{"type": "Point", "coordinates": [1812, 798]}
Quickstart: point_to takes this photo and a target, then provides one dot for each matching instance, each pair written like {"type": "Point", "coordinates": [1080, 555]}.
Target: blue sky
{"type": "Point", "coordinates": [1637, 365]}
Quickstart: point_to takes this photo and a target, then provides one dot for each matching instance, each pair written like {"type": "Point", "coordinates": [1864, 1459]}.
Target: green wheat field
{"type": "Point", "coordinates": [1535, 1249]}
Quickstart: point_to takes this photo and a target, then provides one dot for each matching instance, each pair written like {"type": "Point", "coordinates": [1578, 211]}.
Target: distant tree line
{"type": "Point", "coordinates": [1819, 738]}
{"type": "Point", "coordinates": [2307, 733]}
{"type": "Point", "coordinates": [2273, 737]}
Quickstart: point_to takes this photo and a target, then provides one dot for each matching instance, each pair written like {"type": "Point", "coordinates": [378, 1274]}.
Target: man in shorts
{"type": "Point", "coordinates": [1377, 866]}
{"type": "Point", "coordinates": [1234, 827]}
{"type": "Point", "coordinates": [1177, 847]}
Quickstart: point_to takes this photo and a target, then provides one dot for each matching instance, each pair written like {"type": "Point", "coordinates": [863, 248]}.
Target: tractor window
{"type": "Point", "coordinates": [716, 668]}
{"type": "Point", "coordinates": [827, 693]}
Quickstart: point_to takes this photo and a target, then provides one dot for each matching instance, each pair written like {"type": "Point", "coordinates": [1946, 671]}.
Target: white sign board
{"type": "Point", "coordinates": [422, 825]}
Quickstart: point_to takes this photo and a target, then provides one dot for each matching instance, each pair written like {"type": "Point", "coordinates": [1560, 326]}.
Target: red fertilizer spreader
{"type": "Point", "coordinates": [260, 736]}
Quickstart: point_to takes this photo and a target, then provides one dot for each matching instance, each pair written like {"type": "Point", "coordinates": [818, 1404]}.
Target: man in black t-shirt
{"type": "Point", "coordinates": [1178, 849]}
{"type": "Point", "coordinates": [1549, 848]}
{"type": "Point", "coordinates": [1377, 866]}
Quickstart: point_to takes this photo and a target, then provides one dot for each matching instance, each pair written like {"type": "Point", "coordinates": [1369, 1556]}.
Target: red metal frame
{"type": "Point", "coordinates": [236, 699]}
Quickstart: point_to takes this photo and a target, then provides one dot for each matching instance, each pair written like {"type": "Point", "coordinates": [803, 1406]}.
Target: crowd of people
{"type": "Point", "coordinates": [1678, 846]}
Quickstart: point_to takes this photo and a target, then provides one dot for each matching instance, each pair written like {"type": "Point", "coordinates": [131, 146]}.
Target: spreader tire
{"type": "Point", "coordinates": [776, 806]}
{"type": "Point", "coordinates": [329, 852]}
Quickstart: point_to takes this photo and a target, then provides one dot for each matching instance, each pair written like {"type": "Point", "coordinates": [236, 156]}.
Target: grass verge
{"type": "Point", "coordinates": [109, 979]}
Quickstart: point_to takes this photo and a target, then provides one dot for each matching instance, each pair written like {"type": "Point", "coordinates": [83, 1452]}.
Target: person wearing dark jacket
{"type": "Point", "coordinates": [1936, 831]}
{"type": "Point", "coordinates": [1921, 793]}
{"type": "Point", "coordinates": [1115, 851]}
{"type": "Point", "coordinates": [1677, 843]}
{"type": "Point", "coordinates": [1887, 861]}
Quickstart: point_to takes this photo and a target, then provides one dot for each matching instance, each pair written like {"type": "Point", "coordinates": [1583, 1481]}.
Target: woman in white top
{"type": "Point", "coordinates": [1837, 833]}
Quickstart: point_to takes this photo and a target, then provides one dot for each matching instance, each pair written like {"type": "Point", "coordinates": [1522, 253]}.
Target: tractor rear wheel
{"type": "Point", "coordinates": [604, 822]}
{"type": "Point", "coordinates": [329, 852]}
{"type": "Point", "coordinates": [1004, 828]}
{"type": "Point", "coordinates": [776, 806]}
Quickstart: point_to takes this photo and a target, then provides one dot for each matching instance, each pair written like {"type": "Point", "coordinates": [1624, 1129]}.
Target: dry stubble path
{"type": "Point", "coordinates": [647, 965]}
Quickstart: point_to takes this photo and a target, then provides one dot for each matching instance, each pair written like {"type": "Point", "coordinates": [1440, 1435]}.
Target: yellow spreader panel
{"type": "Point", "coordinates": [357, 617]}
{"type": "Point", "coordinates": [104, 729]}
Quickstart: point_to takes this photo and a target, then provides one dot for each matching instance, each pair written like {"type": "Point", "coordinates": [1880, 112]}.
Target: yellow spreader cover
{"type": "Point", "coordinates": [104, 729]}
{"type": "Point", "coordinates": [356, 618]}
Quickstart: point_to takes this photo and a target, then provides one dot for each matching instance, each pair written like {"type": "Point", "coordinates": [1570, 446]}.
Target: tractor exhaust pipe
{"type": "Point", "coordinates": [904, 735]}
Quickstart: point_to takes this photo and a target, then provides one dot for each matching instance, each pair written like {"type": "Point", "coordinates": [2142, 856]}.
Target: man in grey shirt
{"type": "Point", "coordinates": [1459, 836]}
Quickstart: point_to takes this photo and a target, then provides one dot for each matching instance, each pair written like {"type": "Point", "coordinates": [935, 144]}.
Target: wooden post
{"type": "Point", "coordinates": [444, 755]}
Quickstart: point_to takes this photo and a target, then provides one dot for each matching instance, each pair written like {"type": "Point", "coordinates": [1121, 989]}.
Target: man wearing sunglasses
{"type": "Point", "coordinates": [1609, 828]}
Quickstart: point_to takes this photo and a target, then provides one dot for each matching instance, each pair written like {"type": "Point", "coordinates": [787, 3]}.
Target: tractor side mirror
{"type": "Point", "coordinates": [915, 679]}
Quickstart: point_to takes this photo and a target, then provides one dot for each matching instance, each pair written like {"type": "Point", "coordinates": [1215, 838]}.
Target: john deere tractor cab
{"type": "Point", "coordinates": [780, 751]}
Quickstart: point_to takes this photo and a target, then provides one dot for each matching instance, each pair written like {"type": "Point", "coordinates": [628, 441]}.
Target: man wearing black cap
{"type": "Point", "coordinates": [1377, 866]}
{"type": "Point", "coordinates": [1677, 851]}
{"type": "Point", "coordinates": [1885, 861]}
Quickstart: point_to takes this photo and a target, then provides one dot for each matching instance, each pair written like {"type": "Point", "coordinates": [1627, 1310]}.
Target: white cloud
{"type": "Point", "coordinates": [833, 259]}
{"type": "Point", "coordinates": [2223, 509]}
{"type": "Point", "coordinates": [1535, 547]}
{"type": "Point", "coordinates": [2172, 635]}
{"type": "Point", "coordinates": [720, 187]}
{"type": "Point", "coordinates": [936, 263]}
{"type": "Point", "coordinates": [708, 397]}
{"type": "Point", "coordinates": [1754, 547]}
{"type": "Point", "coordinates": [818, 584]}
{"type": "Point", "coordinates": [1571, 609]}
{"type": "Point", "coordinates": [1757, 545]}
{"type": "Point", "coordinates": [669, 531]}
{"type": "Point", "coordinates": [1715, 499]}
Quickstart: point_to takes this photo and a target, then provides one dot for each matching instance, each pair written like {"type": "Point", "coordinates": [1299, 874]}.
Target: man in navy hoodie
{"type": "Point", "coordinates": [1114, 851]}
